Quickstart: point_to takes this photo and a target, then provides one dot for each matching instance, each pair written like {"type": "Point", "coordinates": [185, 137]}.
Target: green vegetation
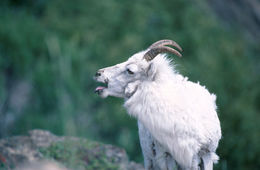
{"type": "Point", "coordinates": [80, 154]}
{"type": "Point", "coordinates": [2, 165]}
{"type": "Point", "coordinates": [52, 48]}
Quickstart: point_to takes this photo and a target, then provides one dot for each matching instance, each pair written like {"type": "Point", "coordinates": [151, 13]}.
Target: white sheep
{"type": "Point", "coordinates": [177, 119]}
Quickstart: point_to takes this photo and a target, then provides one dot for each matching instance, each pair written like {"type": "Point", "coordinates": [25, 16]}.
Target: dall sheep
{"type": "Point", "coordinates": [177, 119]}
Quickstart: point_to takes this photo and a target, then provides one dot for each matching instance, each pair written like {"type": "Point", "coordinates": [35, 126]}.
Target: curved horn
{"type": "Point", "coordinates": [149, 55]}
{"type": "Point", "coordinates": [159, 47]}
{"type": "Point", "coordinates": [165, 42]}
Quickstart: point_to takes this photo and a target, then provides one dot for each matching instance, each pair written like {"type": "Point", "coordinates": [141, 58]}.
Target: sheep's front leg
{"type": "Point", "coordinates": [155, 156]}
{"type": "Point", "coordinates": [147, 145]}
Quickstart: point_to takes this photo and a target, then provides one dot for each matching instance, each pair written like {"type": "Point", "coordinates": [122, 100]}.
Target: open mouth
{"type": "Point", "coordinates": [100, 89]}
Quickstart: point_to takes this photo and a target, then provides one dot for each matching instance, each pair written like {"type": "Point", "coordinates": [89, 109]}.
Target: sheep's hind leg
{"type": "Point", "coordinates": [207, 162]}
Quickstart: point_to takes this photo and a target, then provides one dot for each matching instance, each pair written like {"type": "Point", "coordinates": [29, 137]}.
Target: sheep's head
{"type": "Point", "coordinates": [123, 79]}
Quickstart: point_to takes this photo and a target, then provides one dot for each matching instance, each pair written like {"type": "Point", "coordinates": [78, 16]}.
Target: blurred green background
{"type": "Point", "coordinates": [50, 49]}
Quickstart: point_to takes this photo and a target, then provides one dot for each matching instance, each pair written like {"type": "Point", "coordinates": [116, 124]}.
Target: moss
{"type": "Point", "coordinates": [80, 154]}
{"type": "Point", "coordinates": [3, 166]}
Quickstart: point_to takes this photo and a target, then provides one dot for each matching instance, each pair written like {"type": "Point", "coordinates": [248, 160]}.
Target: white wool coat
{"type": "Point", "coordinates": [179, 116]}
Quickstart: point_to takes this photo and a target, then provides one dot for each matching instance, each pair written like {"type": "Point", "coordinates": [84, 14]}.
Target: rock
{"type": "Point", "coordinates": [43, 149]}
{"type": "Point", "coordinates": [41, 165]}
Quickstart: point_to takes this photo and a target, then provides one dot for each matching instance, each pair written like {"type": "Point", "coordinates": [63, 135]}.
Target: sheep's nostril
{"type": "Point", "coordinates": [98, 74]}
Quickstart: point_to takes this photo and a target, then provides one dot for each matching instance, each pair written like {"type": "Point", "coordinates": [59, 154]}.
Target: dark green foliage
{"type": "Point", "coordinates": [3, 165]}
{"type": "Point", "coordinates": [56, 47]}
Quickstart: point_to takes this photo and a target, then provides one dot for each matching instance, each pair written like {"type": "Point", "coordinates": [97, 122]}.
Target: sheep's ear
{"type": "Point", "coordinates": [151, 71]}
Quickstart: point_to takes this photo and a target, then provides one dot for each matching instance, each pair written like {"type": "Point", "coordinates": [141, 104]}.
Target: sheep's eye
{"type": "Point", "coordinates": [129, 71]}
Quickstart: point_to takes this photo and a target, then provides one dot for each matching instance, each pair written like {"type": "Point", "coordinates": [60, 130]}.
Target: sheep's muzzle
{"type": "Point", "coordinates": [100, 89]}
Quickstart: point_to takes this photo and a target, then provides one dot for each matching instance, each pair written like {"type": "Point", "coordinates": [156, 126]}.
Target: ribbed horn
{"type": "Point", "coordinates": [165, 42]}
{"type": "Point", "coordinates": [159, 47]}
